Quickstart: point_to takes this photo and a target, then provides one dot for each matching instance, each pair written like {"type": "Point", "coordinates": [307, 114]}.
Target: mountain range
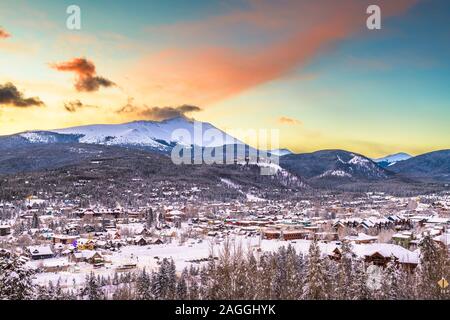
{"type": "Point", "coordinates": [35, 151]}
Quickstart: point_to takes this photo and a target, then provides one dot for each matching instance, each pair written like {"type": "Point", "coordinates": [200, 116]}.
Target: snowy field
{"type": "Point", "coordinates": [148, 256]}
{"type": "Point", "coordinates": [143, 256]}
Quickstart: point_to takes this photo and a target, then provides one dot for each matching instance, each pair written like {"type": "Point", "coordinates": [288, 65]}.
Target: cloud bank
{"type": "Point", "coordinates": [157, 113]}
{"type": "Point", "coordinates": [11, 96]}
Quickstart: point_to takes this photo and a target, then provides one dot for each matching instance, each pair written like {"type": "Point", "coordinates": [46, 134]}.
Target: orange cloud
{"type": "Point", "coordinates": [4, 34]}
{"type": "Point", "coordinates": [87, 80]}
{"type": "Point", "coordinates": [289, 121]}
{"type": "Point", "coordinates": [293, 32]}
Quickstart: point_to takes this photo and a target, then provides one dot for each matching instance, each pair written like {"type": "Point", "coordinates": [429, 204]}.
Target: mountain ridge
{"type": "Point", "coordinates": [332, 167]}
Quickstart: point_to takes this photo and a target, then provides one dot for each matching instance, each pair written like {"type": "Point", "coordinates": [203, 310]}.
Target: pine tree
{"type": "Point", "coordinates": [171, 280]}
{"type": "Point", "coordinates": [35, 221]}
{"type": "Point", "coordinates": [15, 278]}
{"type": "Point", "coordinates": [266, 271]}
{"type": "Point", "coordinates": [59, 295]}
{"type": "Point", "coordinates": [42, 293]}
{"type": "Point", "coordinates": [181, 289]}
{"type": "Point", "coordinates": [431, 269]}
{"type": "Point", "coordinates": [150, 218]}
{"type": "Point", "coordinates": [194, 291]}
{"type": "Point", "coordinates": [345, 276]}
{"type": "Point", "coordinates": [92, 288]}
{"type": "Point", "coordinates": [390, 281]}
{"type": "Point", "coordinates": [156, 286]}
{"type": "Point", "coordinates": [251, 277]}
{"type": "Point", "coordinates": [203, 287]}
{"type": "Point", "coordinates": [359, 287]}
{"type": "Point", "coordinates": [316, 282]}
{"type": "Point", "coordinates": [143, 286]}
{"type": "Point", "coordinates": [115, 280]}
{"type": "Point", "coordinates": [280, 284]}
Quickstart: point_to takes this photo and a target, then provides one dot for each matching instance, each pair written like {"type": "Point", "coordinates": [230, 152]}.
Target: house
{"type": "Point", "coordinates": [85, 244]}
{"type": "Point", "coordinates": [140, 241]}
{"type": "Point", "coordinates": [294, 234]}
{"type": "Point", "coordinates": [157, 241]}
{"type": "Point", "coordinates": [443, 240]}
{"type": "Point", "coordinates": [144, 232]}
{"type": "Point", "coordinates": [403, 239]}
{"type": "Point", "coordinates": [271, 234]}
{"type": "Point", "coordinates": [171, 215]}
{"type": "Point", "coordinates": [5, 230]}
{"type": "Point", "coordinates": [40, 252]}
{"type": "Point", "coordinates": [64, 239]}
{"type": "Point", "coordinates": [361, 238]}
{"type": "Point", "coordinates": [89, 256]}
{"type": "Point", "coordinates": [381, 253]}
{"type": "Point", "coordinates": [57, 265]}
{"type": "Point", "coordinates": [340, 228]}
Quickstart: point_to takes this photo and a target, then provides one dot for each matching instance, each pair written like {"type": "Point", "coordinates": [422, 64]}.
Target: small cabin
{"type": "Point", "coordinates": [5, 230]}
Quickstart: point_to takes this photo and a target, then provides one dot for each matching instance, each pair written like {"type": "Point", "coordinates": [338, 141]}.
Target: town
{"type": "Point", "coordinates": [63, 242]}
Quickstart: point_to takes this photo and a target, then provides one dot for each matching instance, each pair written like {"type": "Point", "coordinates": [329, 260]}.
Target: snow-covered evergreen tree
{"type": "Point", "coordinates": [171, 280]}
{"type": "Point", "coordinates": [280, 284]}
{"type": "Point", "coordinates": [194, 290]}
{"type": "Point", "coordinates": [92, 288]}
{"type": "Point", "coordinates": [390, 281]}
{"type": "Point", "coordinates": [143, 286]}
{"type": "Point", "coordinates": [35, 221]}
{"type": "Point", "coordinates": [359, 287]}
{"type": "Point", "coordinates": [181, 289]}
{"type": "Point", "coordinates": [431, 269]}
{"type": "Point", "coordinates": [15, 278]}
{"type": "Point", "coordinates": [345, 273]}
{"type": "Point", "coordinates": [316, 283]}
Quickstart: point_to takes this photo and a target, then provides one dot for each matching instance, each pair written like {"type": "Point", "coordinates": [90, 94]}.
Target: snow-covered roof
{"type": "Point", "coordinates": [361, 237]}
{"type": "Point", "coordinates": [444, 238]}
{"type": "Point", "coordinates": [438, 220]}
{"type": "Point", "coordinates": [387, 250]}
{"type": "Point", "coordinates": [40, 250]}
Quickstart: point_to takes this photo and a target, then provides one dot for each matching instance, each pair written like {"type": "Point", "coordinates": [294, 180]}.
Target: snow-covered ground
{"type": "Point", "coordinates": [148, 256]}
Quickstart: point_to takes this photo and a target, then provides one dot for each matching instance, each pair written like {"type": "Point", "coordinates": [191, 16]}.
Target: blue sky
{"type": "Point", "coordinates": [245, 64]}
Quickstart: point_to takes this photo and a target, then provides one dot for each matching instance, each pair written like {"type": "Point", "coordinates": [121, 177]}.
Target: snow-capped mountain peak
{"type": "Point", "coordinates": [392, 159]}
{"type": "Point", "coordinates": [160, 135]}
{"type": "Point", "coordinates": [280, 152]}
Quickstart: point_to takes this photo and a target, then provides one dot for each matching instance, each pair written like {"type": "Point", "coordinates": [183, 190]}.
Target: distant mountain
{"type": "Point", "coordinates": [153, 135]}
{"type": "Point", "coordinates": [433, 166]}
{"type": "Point", "coordinates": [334, 167]}
{"type": "Point", "coordinates": [392, 159]}
{"type": "Point", "coordinates": [36, 151]}
{"type": "Point", "coordinates": [99, 170]}
{"type": "Point", "coordinates": [280, 152]}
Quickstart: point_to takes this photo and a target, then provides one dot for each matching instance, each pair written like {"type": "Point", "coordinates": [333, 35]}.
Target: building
{"type": "Point", "coordinates": [361, 238]}
{"type": "Point", "coordinates": [89, 256]}
{"type": "Point", "coordinates": [5, 230]}
{"type": "Point", "coordinates": [40, 252]}
{"type": "Point", "coordinates": [64, 239]}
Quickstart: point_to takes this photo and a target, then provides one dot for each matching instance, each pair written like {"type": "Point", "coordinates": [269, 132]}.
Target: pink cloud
{"type": "Point", "coordinates": [295, 32]}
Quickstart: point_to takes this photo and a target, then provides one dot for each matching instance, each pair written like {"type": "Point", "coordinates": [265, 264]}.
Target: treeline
{"type": "Point", "coordinates": [240, 274]}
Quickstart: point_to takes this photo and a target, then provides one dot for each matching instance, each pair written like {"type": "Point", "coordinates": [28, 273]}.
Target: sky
{"type": "Point", "coordinates": [310, 69]}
